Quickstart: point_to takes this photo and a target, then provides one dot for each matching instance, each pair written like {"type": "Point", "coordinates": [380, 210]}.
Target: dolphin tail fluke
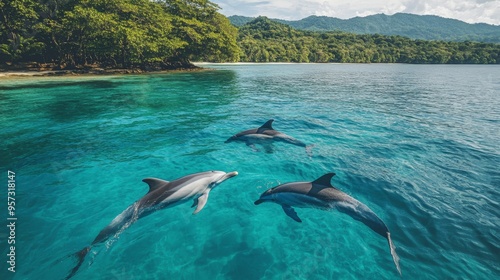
{"type": "Point", "coordinates": [80, 255]}
{"type": "Point", "coordinates": [395, 256]}
{"type": "Point", "coordinates": [309, 150]}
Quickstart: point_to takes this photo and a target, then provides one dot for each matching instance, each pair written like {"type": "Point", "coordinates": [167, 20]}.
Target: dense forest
{"type": "Point", "coordinates": [264, 40]}
{"type": "Point", "coordinates": [165, 34]}
{"type": "Point", "coordinates": [115, 33]}
{"type": "Point", "coordinates": [425, 27]}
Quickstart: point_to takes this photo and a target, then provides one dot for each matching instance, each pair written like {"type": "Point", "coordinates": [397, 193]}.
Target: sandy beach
{"type": "Point", "coordinates": [92, 72]}
{"type": "Point", "coordinates": [28, 73]}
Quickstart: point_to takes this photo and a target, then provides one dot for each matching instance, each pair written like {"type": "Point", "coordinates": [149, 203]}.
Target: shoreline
{"type": "Point", "coordinates": [197, 66]}
{"type": "Point", "coordinates": [8, 73]}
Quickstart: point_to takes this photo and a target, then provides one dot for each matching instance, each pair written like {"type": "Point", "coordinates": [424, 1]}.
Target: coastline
{"type": "Point", "coordinates": [15, 73]}
{"type": "Point", "coordinates": [6, 74]}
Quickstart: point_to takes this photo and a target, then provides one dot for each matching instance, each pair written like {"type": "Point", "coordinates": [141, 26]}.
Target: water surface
{"type": "Point", "coordinates": [418, 144]}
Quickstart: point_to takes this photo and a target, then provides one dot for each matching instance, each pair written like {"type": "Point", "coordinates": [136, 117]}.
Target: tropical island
{"type": "Point", "coordinates": [143, 35]}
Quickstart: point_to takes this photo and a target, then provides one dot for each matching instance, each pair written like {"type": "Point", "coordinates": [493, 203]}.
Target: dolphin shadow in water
{"type": "Point", "coordinates": [162, 194]}
{"type": "Point", "coordinates": [322, 195]}
{"type": "Point", "coordinates": [265, 136]}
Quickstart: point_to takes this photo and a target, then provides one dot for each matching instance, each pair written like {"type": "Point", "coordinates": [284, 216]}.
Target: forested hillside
{"type": "Point", "coordinates": [115, 33]}
{"type": "Point", "coordinates": [164, 34]}
{"type": "Point", "coordinates": [424, 27]}
{"type": "Point", "coordinates": [263, 40]}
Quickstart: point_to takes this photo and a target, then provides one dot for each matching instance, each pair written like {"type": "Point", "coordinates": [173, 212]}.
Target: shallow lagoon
{"type": "Point", "coordinates": [418, 144]}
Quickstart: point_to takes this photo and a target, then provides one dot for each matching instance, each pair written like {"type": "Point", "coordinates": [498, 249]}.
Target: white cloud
{"type": "Point", "coordinates": [471, 11]}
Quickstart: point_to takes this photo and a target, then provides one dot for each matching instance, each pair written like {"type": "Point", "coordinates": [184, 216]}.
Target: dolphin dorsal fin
{"type": "Point", "coordinates": [155, 183]}
{"type": "Point", "coordinates": [325, 180]}
{"type": "Point", "coordinates": [266, 126]}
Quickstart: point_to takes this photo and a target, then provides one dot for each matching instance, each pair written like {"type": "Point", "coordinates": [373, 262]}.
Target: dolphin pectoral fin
{"type": "Point", "coordinates": [290, 212]}
{"type": "Point", "coordinates": [268, 148]}
{"type": "Point", "coordinates": [202, 200]}
{"type": "Point", "coordinates": [195, 202]}
{"type": "Point", "coordinates": [252, 145]}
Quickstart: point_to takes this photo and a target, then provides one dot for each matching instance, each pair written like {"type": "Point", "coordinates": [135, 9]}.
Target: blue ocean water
{"type": "Point", "coordinates": [418, 144]}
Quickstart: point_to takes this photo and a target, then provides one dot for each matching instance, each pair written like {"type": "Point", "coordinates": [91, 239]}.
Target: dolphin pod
{"type": "Point", "coordinates": [318, 194]}
{"type": "Point", "coordinates": [322, 195]}
{"type": "Point", "coordinates": [162, 194]}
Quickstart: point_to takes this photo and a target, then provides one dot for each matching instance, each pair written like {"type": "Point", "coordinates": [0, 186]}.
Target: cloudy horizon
{"type": "Point", "coordinates": [470, 11]}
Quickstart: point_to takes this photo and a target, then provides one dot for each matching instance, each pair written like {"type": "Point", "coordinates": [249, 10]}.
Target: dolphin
{"type": "Point", "coordinates": [162, 194]}
{"type": "Point", "coordinates": [266, 135]}
{"type": "Point", "coordinates": [322, 195]}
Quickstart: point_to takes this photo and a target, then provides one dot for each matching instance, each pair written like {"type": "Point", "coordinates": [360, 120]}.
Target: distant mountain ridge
{"type": "Point", "coordinates": [424, 27]}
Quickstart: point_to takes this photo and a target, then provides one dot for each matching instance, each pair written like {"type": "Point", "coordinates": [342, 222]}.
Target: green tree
{"type": "Point", "coordinates": [16, 21]}
{"type": "Point", "coordinates": [115, 33]}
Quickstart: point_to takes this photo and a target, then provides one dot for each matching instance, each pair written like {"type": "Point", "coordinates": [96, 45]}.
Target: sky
{"type": "Point", "coordinates": [471, 11]}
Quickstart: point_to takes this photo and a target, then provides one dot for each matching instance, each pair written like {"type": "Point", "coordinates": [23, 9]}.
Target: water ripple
{"type": "Point", "coordinates": [417, 144]}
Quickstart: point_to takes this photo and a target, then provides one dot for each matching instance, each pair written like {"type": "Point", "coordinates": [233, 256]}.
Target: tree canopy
{"type": "Point", "coordinates": [264, 40]}
{"type": "Point", "coordinates": [115, 33]}
{"type": "Point", "coordinates": [160, 34]}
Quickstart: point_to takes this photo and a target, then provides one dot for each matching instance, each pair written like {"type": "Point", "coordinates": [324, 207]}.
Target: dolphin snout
{"type": "Point", "coordinates": [230, 139]}
{"type": "Point", "coordinates": [228, 176]}
{"type": "Point", "coordinates": [258, 201]}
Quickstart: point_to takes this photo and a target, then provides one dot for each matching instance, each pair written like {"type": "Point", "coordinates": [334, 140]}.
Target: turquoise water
{"type": "Point", "coordinates": [418, 144]}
